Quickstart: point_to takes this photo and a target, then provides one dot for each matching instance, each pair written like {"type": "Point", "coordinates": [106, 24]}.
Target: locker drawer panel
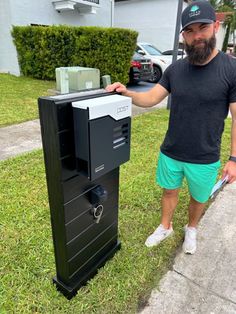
{"type": "Point", "coordinates": [86, 219]}
{"type": "Point", "coordinates": [92, 249]}
{"type": "Point", "coordinates": [80, 184]}
{"type": "Point", "coordinates": [89, 234]}
{"type": "Point", "coordinates": [81, 205]}
{"type": "Point", "coordinates": [82, 272]}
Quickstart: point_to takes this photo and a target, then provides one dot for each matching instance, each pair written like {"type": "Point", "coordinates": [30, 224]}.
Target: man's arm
{"type": "Point", "coordinates": [230, 166]}
{"type": "Point", "coordinates": [145, 99]}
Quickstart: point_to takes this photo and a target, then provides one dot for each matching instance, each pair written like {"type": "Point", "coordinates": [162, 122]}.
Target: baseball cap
{"type": "Point", "coordinates": [198, 12]}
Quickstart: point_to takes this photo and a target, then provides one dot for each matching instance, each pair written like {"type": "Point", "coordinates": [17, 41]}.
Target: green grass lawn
{"type": "Point", "coordinates": [18, 98]}
{"type": "Point", "coordinates": [124, 283]}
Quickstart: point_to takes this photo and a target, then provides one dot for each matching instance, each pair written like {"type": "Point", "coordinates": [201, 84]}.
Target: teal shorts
{"type": "Point", "coordinates": [200, 177]}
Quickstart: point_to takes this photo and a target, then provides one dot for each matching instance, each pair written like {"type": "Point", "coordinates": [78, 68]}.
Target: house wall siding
{"type": "Point", "coordinates": [154, 20]}
{"type": "Point", "coordinates": [8, 56]}
{"type": "Point", "coordinates": [220, 36]}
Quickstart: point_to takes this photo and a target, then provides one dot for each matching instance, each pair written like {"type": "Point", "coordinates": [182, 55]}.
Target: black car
{"type": "Point", "coordinates": [140, 69]}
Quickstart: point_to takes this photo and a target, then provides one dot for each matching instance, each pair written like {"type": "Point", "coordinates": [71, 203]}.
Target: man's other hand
{"type": "Point", "coordinates": [230, 171]}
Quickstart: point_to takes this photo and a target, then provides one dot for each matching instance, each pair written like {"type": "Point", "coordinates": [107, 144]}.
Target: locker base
{"type": "Point", "coordinates": [69, 291]}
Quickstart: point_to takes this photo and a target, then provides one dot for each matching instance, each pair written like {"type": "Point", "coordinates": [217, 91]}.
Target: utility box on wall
{"type": "Point", "coordinates": [84, 143]}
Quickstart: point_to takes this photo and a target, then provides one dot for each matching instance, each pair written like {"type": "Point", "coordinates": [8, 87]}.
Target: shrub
{"type": "Point", "coordinates": [42, 49]}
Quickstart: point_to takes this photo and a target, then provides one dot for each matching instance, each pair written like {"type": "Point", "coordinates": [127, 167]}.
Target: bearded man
{"type": "Point", "coordinates": [203, 90]}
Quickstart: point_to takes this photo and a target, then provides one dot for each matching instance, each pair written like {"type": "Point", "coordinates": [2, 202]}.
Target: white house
{"type": "Point", "coordinates": [47, 12]}
{"type": "Point", "coordinates": [155, 20]}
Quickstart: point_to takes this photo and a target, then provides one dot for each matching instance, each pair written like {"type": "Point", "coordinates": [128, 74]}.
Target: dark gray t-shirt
{"type": "Point", "coordinates": [200, 97]}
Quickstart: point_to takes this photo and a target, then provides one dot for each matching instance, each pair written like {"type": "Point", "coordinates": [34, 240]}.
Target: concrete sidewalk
{"type": "Point", "coordinates": [20, 138]}
{"type": "Point", "coordinates": [201, 283]}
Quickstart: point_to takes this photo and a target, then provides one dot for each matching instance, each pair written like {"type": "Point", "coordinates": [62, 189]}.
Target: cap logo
{"type": "Point", "coordinates": [194, 8]}
{"type": "Point", "coordinates": [194, 11]}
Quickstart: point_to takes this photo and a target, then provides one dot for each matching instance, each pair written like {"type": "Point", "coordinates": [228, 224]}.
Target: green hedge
{"type": "Point", "coordinates": [42, 49]}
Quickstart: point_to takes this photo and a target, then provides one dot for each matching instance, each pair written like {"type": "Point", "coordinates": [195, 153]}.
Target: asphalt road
{"type": "Point", "coordinates": [141, 86]}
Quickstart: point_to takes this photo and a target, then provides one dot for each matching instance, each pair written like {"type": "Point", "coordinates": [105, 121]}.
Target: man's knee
{"type": "Point", "coordinates": [170, 193]}
{"type": "Point", "coordinates": [195, 202]}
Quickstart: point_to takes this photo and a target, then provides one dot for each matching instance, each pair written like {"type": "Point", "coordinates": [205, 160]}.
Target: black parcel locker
{"type": "Point", "coordinates": [83, 198]}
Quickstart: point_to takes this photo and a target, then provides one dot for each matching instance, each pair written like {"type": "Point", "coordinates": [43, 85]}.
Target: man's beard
{"type": "Point", "coordinates": [200, 54]}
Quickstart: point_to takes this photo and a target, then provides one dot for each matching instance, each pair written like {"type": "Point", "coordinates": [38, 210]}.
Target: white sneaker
{"type": "Point", "coordinates": [158, 235]}
{"type": "Point", "coordinates": [190, 240]}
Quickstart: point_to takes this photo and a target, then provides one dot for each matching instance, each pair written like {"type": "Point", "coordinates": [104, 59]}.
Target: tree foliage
{"type": "Point", "coordinates": [228, 6]}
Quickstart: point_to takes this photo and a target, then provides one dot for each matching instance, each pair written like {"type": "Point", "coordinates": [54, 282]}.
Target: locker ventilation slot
{"type": "Point", "coordinates": [120, 136]}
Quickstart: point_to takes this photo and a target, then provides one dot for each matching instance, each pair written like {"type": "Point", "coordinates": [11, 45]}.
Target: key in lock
{"type": "Point", "coordinates": [97, 213]}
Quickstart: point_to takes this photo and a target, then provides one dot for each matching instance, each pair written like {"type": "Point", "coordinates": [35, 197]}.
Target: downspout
{"type": "Point", "coordinates": [112, 13]}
